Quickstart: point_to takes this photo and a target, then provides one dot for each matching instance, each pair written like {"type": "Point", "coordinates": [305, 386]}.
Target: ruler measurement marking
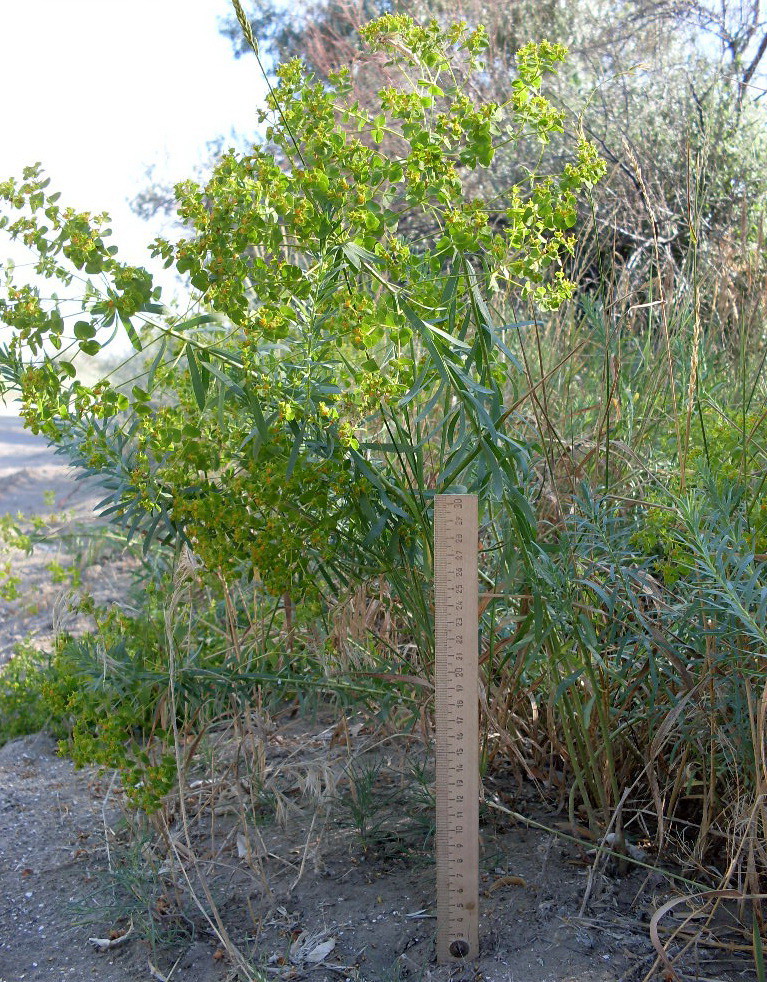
{"type": "Point", "coordinates": [456, 711]}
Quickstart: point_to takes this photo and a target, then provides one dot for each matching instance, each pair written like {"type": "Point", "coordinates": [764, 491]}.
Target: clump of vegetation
{"type": "Point", "coordinates": [22, 707]}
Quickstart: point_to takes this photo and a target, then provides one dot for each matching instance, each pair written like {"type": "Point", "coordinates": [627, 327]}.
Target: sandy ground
{"type": "Point", "coordinates": [310, 897]}
{"type": "Point", "coordinates": [29, 468]}
{"type": "Point", "coordinates": [34, 481]}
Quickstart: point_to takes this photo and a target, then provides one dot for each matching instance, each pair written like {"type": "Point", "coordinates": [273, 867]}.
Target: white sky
{"type": "Point", "coordinates": [97, 90]}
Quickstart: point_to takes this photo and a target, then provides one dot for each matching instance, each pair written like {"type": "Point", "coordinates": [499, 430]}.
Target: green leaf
{"type": "Point", "coordinates": [84, 331]}
{"type": "Point", "coordinates": [758, 951]}
{"type": "Point", "coordinates": [258, 416]}
{"type": "Point", "coordinates": [357, 255]}
{"type": "Point", "coordinates": [130, 330]}
{"type": "Point", "coordinates": [229, 385]}
{"type": "Point", "coordinates": [425, 334]}
{"type": "Point", "coordinates": [156, 364]}
{"type": "Point", "coordinates": [200, 280]}
{"type": "Point", "coordinates": [197, 321]}
{"type": "Point", "coordinates": [199, 375]}
{"type": "Point", "coordinates": [298, 444]}
{"type": "Point", "coordinates": [454, 341]}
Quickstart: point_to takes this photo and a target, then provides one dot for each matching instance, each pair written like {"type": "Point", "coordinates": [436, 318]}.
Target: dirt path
{"type": "Point", "coordinates": [49, 815]}
{"type": "Point", "coordinates": [29, 468]}
{"type": "Point", "coordinates": [52, 848]}
{"type": "Point", "coordinates": [36, 483]}
{"type": "Point", "coordinates": [52, 820]}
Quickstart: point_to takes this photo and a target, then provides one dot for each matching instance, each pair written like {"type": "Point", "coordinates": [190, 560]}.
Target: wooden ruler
{"type": "Point", "coordinates": [457, 725]}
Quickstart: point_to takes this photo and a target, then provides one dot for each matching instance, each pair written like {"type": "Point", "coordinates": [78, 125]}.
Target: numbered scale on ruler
{"type": "Point", "coordinates": [456, 720]}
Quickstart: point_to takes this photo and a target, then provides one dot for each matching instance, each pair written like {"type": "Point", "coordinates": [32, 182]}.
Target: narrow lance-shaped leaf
{"type": "Point", "coordinates": [130, 330]}
{"type": "Point", "coordinates": [199, 375]}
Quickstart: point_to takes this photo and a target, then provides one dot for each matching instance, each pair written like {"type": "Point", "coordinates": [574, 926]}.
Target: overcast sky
{"type": "Point", "coordinates": [98, 90]}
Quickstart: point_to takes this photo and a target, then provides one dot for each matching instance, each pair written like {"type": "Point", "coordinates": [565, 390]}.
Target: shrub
{"type": "Point", "coordinates": [344, 367]}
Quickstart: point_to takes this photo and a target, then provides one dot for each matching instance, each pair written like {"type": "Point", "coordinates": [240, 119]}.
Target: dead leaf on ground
{"type": "Point", "coordinates": [311, 947]}
{"type": "Point", "coordinates": [506, 881]}
{"type": "Point", "coordinates": [114, 939]}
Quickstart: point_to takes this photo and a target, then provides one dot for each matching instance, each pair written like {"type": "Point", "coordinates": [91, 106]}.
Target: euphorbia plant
{"type": "Point", "coordinates": [345, 363]}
